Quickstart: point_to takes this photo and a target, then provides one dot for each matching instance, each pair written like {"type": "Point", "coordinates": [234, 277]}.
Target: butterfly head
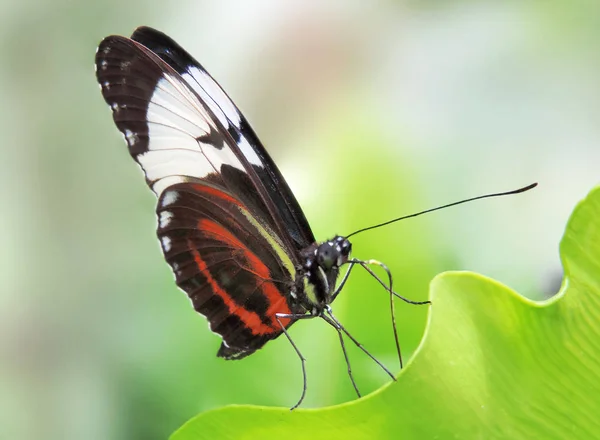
{"type": "Point", "coordinates": [318, 276]}
{"type": "Point", "coordinates": [333, 253]}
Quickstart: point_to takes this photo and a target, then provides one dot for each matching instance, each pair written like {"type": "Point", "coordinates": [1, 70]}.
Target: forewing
{"type": "Point", "coordinates": [179, 123]}
{"type": "Point", "coordinates": [279, 199]}
{"type": "Point", "coordinates": [169, 131]}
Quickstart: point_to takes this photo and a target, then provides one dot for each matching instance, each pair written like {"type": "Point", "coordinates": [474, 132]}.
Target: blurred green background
{"type": "Point", "coordinates": [371, 111]}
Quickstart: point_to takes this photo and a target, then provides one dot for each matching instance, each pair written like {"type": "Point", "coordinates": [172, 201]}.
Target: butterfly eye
{"type": "Point", "coordinates": [346, 248]}
{"type": "Point", "coordinates": [327, 255]}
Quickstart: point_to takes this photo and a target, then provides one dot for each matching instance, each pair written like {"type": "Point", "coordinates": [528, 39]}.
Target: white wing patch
{"type": "Point", "coordinates": [177, 126]}
{"type": "Point", "coordinates": [221, 106]}
{"type": "Point", "coordinates": [214, 96]}
{"type": "Point", "coordinates": [249, 152]}
{"type": "Point", "coordinates": [178, 162]}
{"type": "Point", "coordinates": [174, 102]}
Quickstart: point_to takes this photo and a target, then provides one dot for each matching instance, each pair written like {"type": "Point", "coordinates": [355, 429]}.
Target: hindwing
{"type": "Point", "coordinates": [235, 271]}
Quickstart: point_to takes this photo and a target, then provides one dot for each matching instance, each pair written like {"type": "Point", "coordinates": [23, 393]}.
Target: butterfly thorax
{"type": "Point", "coordinates": [316, 278]}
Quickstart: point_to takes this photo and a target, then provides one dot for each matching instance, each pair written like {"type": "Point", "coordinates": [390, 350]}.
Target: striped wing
{"type": "Point", "coordinates": [229, 225]}
{"type": "Point", "coordinates": [178, 122]}
{"type": "Point", "coordinates": [234, 270]}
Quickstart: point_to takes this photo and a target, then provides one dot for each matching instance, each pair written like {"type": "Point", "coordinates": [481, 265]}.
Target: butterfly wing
{"type": "Point", "coordinates": [229, 225]}
{"type": "Point", "coordinates": [235, 271]}
{"type": "Point", "coordinates": [284, 211]}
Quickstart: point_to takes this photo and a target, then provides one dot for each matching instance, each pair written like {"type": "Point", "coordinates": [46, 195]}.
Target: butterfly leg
{"type": "Point", "coordinates": [365, 265]}
{"type": "Point", "coordinates": [302, 358]}
{"type": "Point", "coordinates": [343, 282]}
{"type": "Point", "coordinates": [392, 308]}
{"type": "Point", "coordinates": [337, 327]}
{"type": "Point", "coordinates": [332, 320]}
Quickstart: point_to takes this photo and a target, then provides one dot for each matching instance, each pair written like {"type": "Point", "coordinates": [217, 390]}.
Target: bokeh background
{"type": "Point", "coordinates": [371, 109]}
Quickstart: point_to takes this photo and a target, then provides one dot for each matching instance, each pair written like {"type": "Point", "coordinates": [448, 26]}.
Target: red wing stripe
{"type": "Point", "coordinates": [216, 193]}
{"type": "Point", "coordinates": [277, 302]}
{"type": "Point", "coordinates": [220, 233]}
{"type": "Point", "coordinates": [250, 319]}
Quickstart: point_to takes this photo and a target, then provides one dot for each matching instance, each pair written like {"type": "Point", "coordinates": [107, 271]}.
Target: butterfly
{"type": "Point", "coordinates": [229, 226]}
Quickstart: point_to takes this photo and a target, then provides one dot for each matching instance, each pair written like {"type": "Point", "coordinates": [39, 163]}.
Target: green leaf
{"type": "Point", "coordinates": [492, 364]}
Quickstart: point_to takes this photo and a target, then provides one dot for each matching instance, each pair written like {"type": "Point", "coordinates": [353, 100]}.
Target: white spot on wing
{"type": "Point", "coordinates": [130, 137]}
{"type": "Point", "coordinates": [165, 218]}
{"type": "Point", "coordinates": [166, 243]}
{"type": "Point", "coordinates": [170, 198]}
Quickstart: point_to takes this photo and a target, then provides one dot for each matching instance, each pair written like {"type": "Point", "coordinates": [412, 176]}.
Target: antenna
{"type": "Point", "coordinates": [486, 196]}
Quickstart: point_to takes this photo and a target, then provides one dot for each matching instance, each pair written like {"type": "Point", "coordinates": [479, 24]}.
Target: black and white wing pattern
{"type": "Point", "coordinates": [178, 122]}
{"type": "Point", "coordinates": [228, 223]}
